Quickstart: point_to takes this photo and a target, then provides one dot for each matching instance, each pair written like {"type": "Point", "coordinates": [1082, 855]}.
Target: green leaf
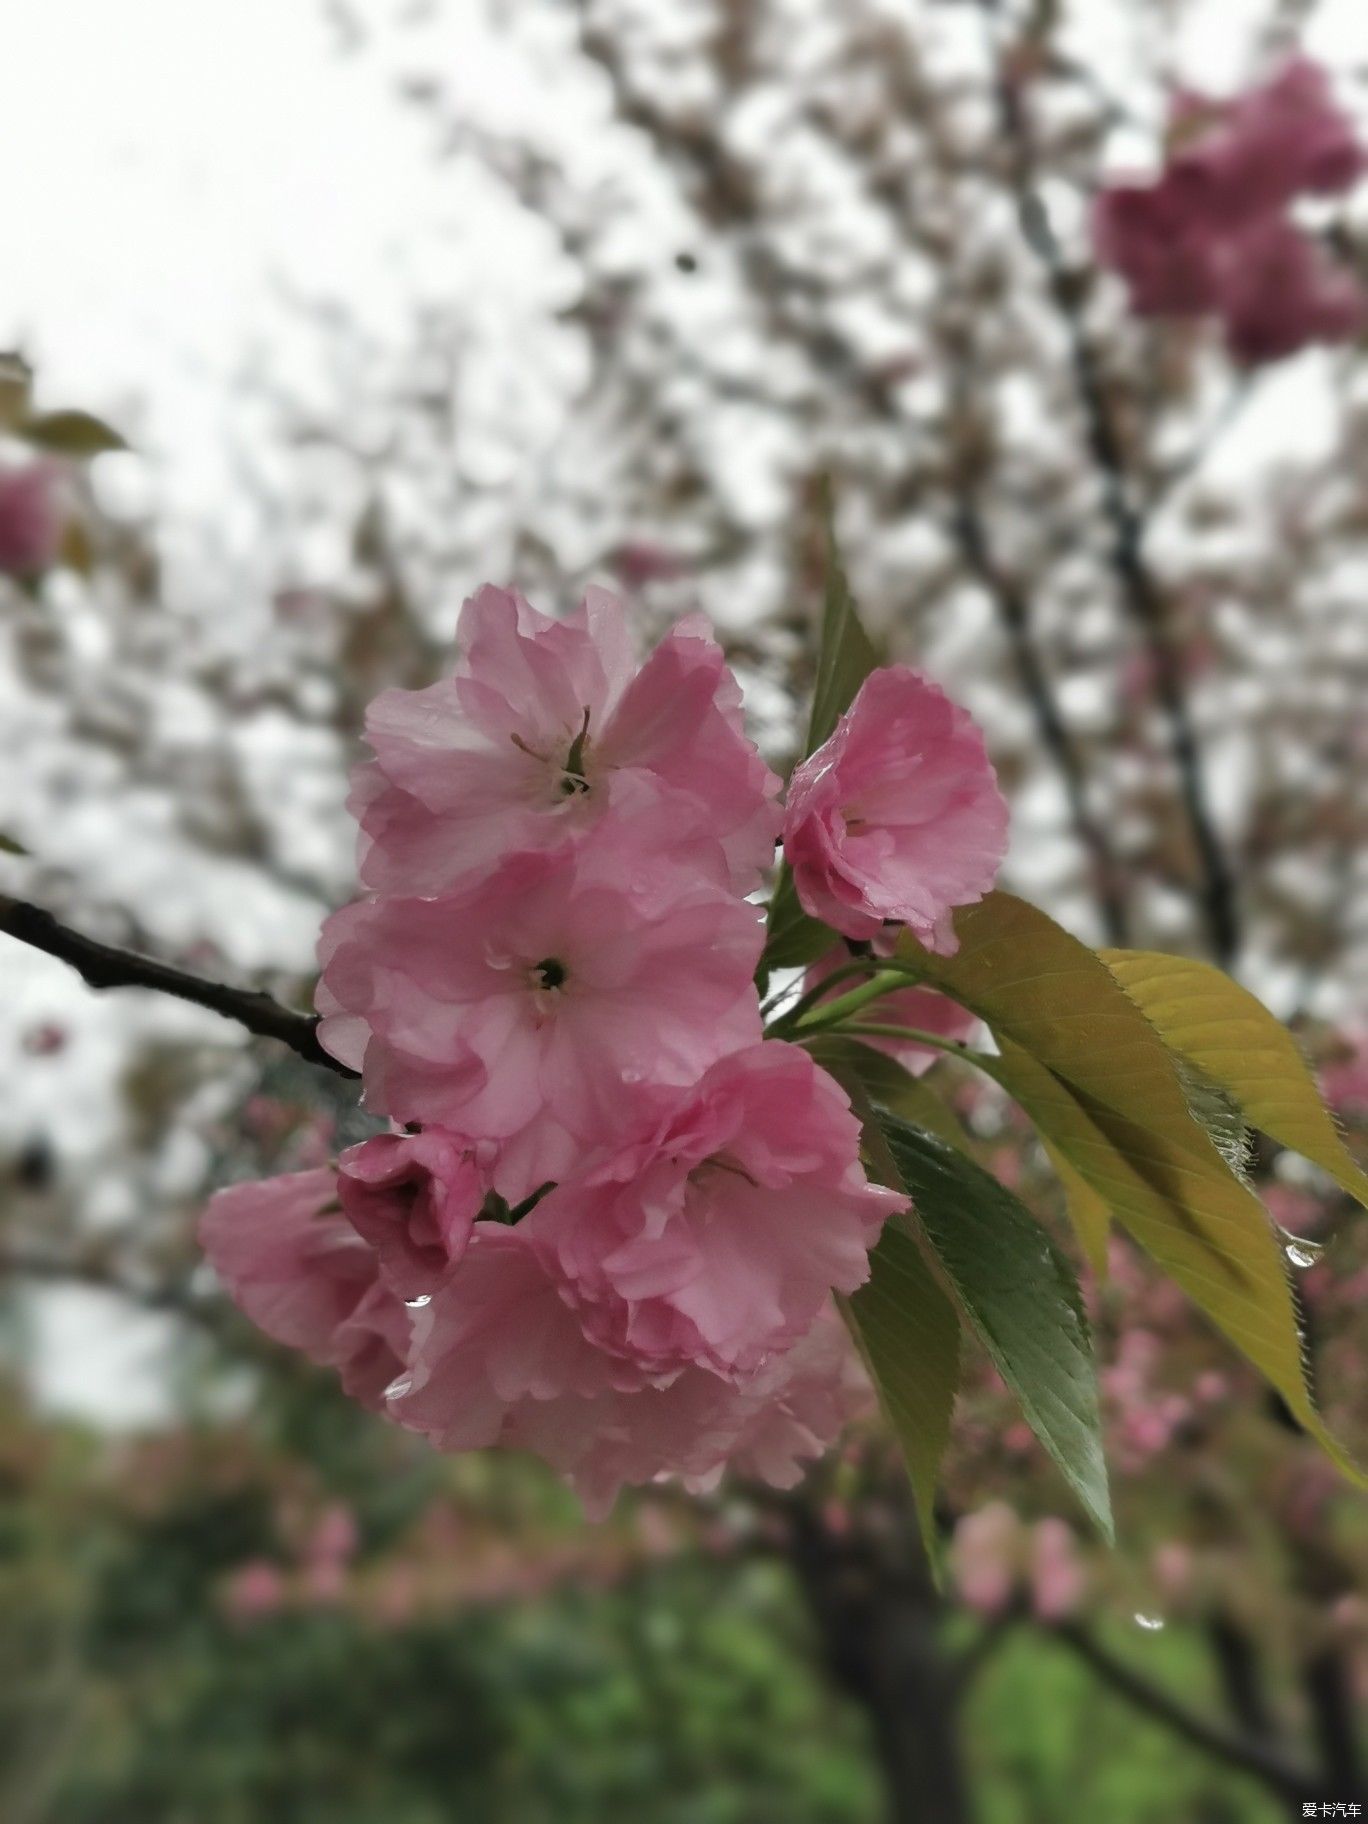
{"type": "Point", "coordinates": [1017, 1290]}
{"type": "Point", "coordinates": [908, 1332]}
{"type": "Point", "coordinates": [792, 939]}
{"type": "Point", "coordinates": [71, 434]}
{"type": "Point", "coordinates": [847, 654]}
{"type": "Point", "coordinates": [885, 1081]}
{"type": "Point", "coordinates": [1223, 1031]}
{"type": "Point", "coordinates": [1104, 1090]}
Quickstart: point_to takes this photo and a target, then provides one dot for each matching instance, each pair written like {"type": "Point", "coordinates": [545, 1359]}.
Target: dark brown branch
{"type": "Point", "coordinates": [103, 966]}
{"type": "Point", "coordinates": [166, 1300]}
{"type": "Point", "coordinates": [1250, 1756]}
{"type": "Point", "coordinates": [1138, 586]}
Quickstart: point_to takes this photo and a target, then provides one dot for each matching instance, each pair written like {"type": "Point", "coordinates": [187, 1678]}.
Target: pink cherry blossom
{"type": "Point", "coordinates": [985, 1555]}
{"type": "Point", "coordinates": [1057, 1574]}
{"type": "Point", "coordinates": [293, 1264]}
{"type": "Point", "coordinates": [897, 818]}
{"type": "Point", "coordinates": [254, 1590]}
{"type": "Point", "coordinates": [1281, 291]}
{"type": "Point", "coordinates": [1212, 236]}
{"type": "Point", "coordinates": [716, 1239]}
{"type": "Point", "coordinates": [1164, 248]}
{"type": "Point", "coordinates": [538, 994]}
{"type": "Point", "coordinates": [536, 732]}
{"type": "Point", "coordinates": [414, 1198]}
{"type": "Point", "coordinates": [1248, 158]}
{"type": "Point", "coordinates": [499, 1359]}
{"type": "Point", "coordinates": [30, 522]}
{"type": "Point", "coordinates": [924, 1008]}
{"type": "Point", "coordinates": [1344, 1080]}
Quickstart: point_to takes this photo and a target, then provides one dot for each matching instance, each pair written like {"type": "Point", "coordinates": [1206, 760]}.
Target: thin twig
{"type": "Point", "coordinates": [103, 966]}
{"type": "Point", "coordinates": [1138, 585]}
{"type": "Point", "coordinates": [1250, 1756]}
{"type": "Point", "coordinates": [166, 1300]}
{"type": "Point", "coordinates": [1014, 615]}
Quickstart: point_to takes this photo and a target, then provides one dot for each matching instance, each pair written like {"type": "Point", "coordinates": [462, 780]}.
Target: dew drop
{"type": "Point", "coordinates": [1304, 1253]}
{"type": "Point", "coordinates": [1152, 1624]}
{"type": "Point", "coordinates": [397, 1389]}
{"type": "Point", "coordinates": [417, 1304]}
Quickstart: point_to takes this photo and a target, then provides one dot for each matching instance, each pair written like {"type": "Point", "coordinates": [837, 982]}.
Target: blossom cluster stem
{"type": "Point", "coordinates": [835, 1013]}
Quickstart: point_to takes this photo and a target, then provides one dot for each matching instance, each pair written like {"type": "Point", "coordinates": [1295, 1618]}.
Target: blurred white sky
{"type": "Point", "coordinates": [178, 159]}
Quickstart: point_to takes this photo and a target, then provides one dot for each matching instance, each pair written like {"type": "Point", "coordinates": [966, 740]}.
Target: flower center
{"type": "Point", "coordinates": [573, 775]}
{"type": "Point", "coordinates": [549, 973]}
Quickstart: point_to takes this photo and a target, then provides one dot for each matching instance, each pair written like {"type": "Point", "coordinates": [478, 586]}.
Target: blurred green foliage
{"type": "Point", "coordinates": [666, 1677]}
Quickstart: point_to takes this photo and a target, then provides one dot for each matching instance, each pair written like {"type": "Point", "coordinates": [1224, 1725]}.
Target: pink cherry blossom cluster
{"type": "Point", "coordinates": [1212, 234]}
{"type": "Point", "coordinates": [610, 1215]}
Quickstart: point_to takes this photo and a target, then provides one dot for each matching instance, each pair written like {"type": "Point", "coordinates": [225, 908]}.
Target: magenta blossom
{"type": "Point", "coordinates": [499, 1359]}
{"type": "Point", "coordinates": [414, 1198]}
{"type": "Point", "coordinates": [924, 1008]}
{"type": "Point", "coordinates": [544, 990]}
{"type": "Point", "coordinates": [715, 1239]}
{"type": "Point", "coordinates": [1211, 235]}
{"type": "Point", "coordinates": [30, 520]}
{"type": "Point", "coordinates": [290, 1260]}
{"type": "Point", "coordinates": [897, 818]}
{"type": "Point", "coordinates": [534, 736]}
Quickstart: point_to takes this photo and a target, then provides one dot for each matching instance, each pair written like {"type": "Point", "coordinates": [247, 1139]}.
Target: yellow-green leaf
{"type": "Point", "coordinates": [1099, 1082]}
{"type": "Point", "coordinates": [71, 434]}
{"type": "Point", "coordinates": [1233, 1038]}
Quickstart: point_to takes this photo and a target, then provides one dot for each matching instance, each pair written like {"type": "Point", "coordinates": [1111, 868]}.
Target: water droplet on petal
{"type": "Point", "coordinates": [417, 1304]}
{"type": "Point", "coordinates": [1304, 1253]}
{"type": "Point", "coordinates": [398, 1388]}
{"type": "Point", "coordinates": [1152, 1624]}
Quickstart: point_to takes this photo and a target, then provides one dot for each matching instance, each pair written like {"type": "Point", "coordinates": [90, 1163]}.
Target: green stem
{"type": "Point", "coordinates": [873, 1029]}
{"type": "Point", "coordinates": [861, 966]}
{"type": "Point", "coordinates": [832, 1013]}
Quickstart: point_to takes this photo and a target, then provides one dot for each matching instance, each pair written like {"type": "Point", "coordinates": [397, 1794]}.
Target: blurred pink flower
{"type": "Point", "coordinates": [897, 818]}
{"type": "Point", "coordinates": [1057, 1574]}
{"type": "Point", "coordinates": [1211, 236]}
{"type": "Point", "coordinates": [30, 518]}
{"type": "Point", "coordinates": [254, 1590]}
{"type": "Point", "coordinates": [45, 1040]}
{"type": "Point", "coordinates": [1283, 291]}
{"type": "Point", "coordinates": [716, 1238]}
{"type": "Point", "coordinates": [985, 1555]}
{"type": "Point", "coordinates": [1344, 1081]}
{"type": "Point", "coordinates": [537, 734]}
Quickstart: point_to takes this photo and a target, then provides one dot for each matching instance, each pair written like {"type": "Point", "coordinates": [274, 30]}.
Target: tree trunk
{"type": "Point", "coordinates": [878, 1619]}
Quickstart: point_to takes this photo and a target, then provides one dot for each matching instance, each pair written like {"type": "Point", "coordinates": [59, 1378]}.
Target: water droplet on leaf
{"type": "Point", "coordinates": [1304, 1253]}
{"type": "Point", "coordinates": [1152, 1624]}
